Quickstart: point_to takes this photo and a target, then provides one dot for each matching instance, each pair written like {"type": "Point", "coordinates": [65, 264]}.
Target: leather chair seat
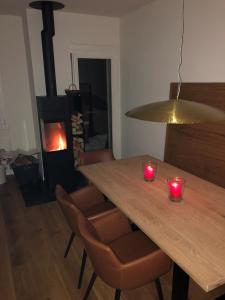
{"type": "Point", "coordinates": [141, 260]}
{"type": "Point", "coordinates": [132, 246]}
{"type": "Point", "coordinates": [90, 202]}
{"type": "Point", "coordinates": [97, 209]}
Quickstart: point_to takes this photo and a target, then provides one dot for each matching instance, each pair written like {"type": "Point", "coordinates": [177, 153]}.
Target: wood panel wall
{"type": "Point", "coordinates": [200, 148]}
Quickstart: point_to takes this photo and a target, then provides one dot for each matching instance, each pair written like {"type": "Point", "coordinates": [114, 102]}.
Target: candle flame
{"type": "Point", "coordinates": [150, 168]}
{"type": "Point", "coordinates": [174, 184]}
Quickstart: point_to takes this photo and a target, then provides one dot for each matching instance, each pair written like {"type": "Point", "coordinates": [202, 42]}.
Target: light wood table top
{"type": "Point", "coordinates": [191, 232]}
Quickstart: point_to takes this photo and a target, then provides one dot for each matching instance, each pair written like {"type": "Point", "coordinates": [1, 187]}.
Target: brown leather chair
{"type": "Point", "coordinates": [90, 202]}
{"type": "Point", "coordinates": [87, 158]}
{"type": "Point", "coordinates": [92, 157]}
{"type": "Point", "coordinates": [122, 258]}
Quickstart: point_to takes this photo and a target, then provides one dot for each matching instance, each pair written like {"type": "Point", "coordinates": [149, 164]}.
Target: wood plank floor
{"type": "Point", "coordinates": [32, 267]}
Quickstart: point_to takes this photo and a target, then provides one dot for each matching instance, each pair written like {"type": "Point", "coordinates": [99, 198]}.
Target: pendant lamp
{"type": "Point", "coordinates": [177, 111]}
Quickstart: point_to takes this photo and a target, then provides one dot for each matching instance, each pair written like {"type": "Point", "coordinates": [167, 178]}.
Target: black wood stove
{"type": "Point", "coordinates": [54, 113]}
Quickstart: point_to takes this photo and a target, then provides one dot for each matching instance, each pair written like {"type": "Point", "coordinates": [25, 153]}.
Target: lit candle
{"type": "Point", "coordinates": [175, 189]}
{"type": "Point", "coordinates": [149, 171]}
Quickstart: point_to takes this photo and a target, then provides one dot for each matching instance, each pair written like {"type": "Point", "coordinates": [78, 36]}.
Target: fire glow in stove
{"type": "Point", "coordinates": [53, 136]}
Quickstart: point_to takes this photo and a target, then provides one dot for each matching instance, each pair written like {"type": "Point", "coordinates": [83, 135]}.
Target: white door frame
{"type": "Point", "coordinates": [104, 52]}
{"type": "Point", "coordinates": [5, 136]}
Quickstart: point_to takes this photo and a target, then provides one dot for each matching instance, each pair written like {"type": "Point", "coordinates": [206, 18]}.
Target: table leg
{"type": "Point", "coordinates": [180, 284]}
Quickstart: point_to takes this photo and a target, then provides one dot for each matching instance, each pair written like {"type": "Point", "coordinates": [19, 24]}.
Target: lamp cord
{"type": "Point", "coordinates": [181, 55]}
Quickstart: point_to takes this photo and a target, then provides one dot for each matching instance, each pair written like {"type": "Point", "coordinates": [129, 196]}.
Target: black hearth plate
{"type": "Point", "coordinates": [34, 193]}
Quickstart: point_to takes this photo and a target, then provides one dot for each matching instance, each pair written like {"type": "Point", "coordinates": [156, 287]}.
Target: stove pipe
{"type": "Point", "coordinates": [47, 8]}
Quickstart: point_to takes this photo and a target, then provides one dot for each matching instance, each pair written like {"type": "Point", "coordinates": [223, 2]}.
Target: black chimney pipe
{"type": "Point", "coordinates": [47, 34]}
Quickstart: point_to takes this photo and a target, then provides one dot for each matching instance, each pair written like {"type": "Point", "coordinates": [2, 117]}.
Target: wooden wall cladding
{"type": "Point", "coordinates": [200, 148]}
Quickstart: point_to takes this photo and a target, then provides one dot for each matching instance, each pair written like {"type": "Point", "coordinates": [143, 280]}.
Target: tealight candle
{"type": "Point", "coordinates": [149, 171]}
{"type": "Point", "coordinates": [175, 186]}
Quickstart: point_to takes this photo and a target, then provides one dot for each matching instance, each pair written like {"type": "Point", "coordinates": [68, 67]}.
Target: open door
{"type": "Point", "coordinates": [95, 88]}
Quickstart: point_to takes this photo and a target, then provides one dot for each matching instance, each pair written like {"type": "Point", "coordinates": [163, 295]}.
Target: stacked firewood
{"type": "Point", "coordinates": [77, 124]}
{"type": "Point", "coordinates": [77, 131]}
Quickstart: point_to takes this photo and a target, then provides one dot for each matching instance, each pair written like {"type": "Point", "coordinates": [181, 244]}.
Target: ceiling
{"type": "Point", "coordinates": [114, 8]}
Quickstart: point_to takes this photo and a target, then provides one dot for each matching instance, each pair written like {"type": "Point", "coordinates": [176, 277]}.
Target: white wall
{"type": "Point", "coordinates": [74, 31]}
{"type": "Point", "coordinates": [150, 40]}
{"type": "Point", "coordinates": [18, 128]}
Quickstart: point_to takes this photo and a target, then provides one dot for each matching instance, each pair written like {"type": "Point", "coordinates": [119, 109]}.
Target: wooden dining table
{"type": "Point", "coordinates": [190, 232]}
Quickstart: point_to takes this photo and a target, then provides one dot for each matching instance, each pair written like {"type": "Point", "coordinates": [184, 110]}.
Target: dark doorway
{"type": "Point", "coordinates": [95, 88]}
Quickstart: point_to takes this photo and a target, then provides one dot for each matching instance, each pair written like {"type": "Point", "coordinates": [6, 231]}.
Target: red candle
{"type": "Point", "coordinates": [149, 171]}
{"type": "Point", "coordinates": [175, 189]}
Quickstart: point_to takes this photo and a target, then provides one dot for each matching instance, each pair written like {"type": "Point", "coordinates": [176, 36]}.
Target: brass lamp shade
{"type": "Point", "coordinates": [177, 112]}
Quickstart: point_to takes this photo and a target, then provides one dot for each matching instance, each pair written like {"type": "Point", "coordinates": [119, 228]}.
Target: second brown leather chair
{"type": "Point", "coordinates": [90, 202]}
{"type": "Point", "coordinates": [92, 157]}
{"type": "Point", "coordinates": [122, 258]}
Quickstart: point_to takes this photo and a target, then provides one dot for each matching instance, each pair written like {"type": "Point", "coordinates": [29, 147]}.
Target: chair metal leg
{"type": "Point", "coordinates": [117, 294]}
{"type": "Point", "coordinates": [84, 258]}
{"type": "Point", "coordinates": [72, 236]}
{"type": "Point", "coordinates": [91, 283]}
{"type": "Point", "coordinates": [159, 288]}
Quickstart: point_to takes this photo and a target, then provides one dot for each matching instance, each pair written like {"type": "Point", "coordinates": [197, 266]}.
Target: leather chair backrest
{"type": "Point", "coordinates": [104, 261]}
{"type": "Point", "coordinates": [70, 211]}
{"type": "Point", "coordinates": [87, 158]}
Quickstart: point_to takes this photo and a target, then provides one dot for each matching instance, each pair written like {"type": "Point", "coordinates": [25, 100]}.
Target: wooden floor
{"type": "Point", "coordinates": [32, 267]}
